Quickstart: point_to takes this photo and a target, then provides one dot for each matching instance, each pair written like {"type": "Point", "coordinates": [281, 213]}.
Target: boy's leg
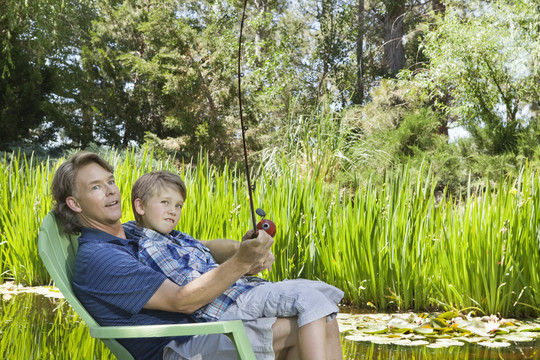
{"type": "Point", "coordinates": [283, 299]}
{"type": "Point", "coordinates": [312, 340]}
{"type": "Point", "coordinates": [333, 344]}
{"type": "Point", "coordinates": [332, 293]}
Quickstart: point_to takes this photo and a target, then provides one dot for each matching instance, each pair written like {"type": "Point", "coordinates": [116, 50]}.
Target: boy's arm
{"type": "Point", "coordinates": [207, 287]}
{"type": "Point", "coordinates": [222, 249]}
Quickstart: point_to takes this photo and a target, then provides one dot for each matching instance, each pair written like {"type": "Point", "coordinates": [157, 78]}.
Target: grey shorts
{"type": "Point", "coordinates": [258, 308]}
{"type": "Point", "coordinates": [220, 347]}
{"type": "Point", "coordinates": [307, 299]}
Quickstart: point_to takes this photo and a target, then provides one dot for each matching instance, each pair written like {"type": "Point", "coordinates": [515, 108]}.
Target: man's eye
{"type": "Point", "coordinates": [95, 187]}
{"type": "Point", "coordinates": [111, 182]}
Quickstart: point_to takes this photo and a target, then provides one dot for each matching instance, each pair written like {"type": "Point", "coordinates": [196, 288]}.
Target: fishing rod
{"type": "Point", "coordinates": [264, 224]}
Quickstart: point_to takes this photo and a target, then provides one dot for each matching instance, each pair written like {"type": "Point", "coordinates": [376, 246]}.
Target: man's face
{"type": "Point", "coordinates": [162, 211]}
{"type": "Point", "coordinates": [97, 201]}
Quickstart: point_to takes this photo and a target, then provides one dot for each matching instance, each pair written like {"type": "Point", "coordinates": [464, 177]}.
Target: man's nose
{"type": "Point", "coordinates": [111, 189]}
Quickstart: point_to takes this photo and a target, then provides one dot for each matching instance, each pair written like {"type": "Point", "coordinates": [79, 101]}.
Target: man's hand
{"type": "Point", "coordinates": [255, 248]}
{"type": "Point", "coordinates": [266, 265]}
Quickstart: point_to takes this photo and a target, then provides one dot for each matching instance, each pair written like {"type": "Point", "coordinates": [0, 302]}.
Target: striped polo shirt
{"type": "Point", "coordinates": [114, 286]}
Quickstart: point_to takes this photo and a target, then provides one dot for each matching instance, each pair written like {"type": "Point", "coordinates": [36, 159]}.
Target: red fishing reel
{"type": "Point", "coordinates": [265, 224]}
{"type": "Point", "coordinates": [268, 226]}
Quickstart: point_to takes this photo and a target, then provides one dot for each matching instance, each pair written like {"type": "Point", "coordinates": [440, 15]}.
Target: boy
{"type": "Point", "coordinates": [157, 199]}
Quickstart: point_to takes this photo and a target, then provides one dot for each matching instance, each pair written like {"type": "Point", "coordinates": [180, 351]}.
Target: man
{"type": "Point", "coordinates": [118, 290]}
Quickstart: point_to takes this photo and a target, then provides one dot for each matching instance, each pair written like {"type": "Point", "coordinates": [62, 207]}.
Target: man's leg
{"type": "Point", "coordinates": [287, 339]}
{"type": "Point", "coordinates": [285, 332]}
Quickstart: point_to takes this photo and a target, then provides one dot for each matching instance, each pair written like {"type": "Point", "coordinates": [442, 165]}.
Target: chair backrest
{"type": "Point", "coordinates": [57, 251]}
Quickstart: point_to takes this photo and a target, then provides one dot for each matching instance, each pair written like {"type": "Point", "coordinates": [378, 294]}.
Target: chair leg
{"type": "Point", "coordinates": [242, 344]}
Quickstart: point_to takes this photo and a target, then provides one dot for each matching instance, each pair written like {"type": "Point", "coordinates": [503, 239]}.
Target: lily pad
{"type": "Point", "coordinates": [517, 337]}
{"type": "Point", "coordinates": [494, 344]}
{"type": "Point", "coordinates": [382, 340]}
{"type": "Point", "coordinates": [423, 330]}
{"type": "Point", "coordinates": [444, 343]}
{"type": "Point", "coordinates": [448, 315]}
{"type": "Point", "coordinates": [357, 337]}
{"type": "Point", "coordinates": [346, 328]}
{"type": "Point", "coordinates": [530, 328]}
{"type": "Point", "coordinates": [380, 329]}
{"type": "Point", "coordinates": [407, 342]}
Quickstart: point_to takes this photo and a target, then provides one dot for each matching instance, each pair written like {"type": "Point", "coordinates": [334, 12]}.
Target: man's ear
{"type": "Point", "coordinates": [73, 204]}
{"type": "Point", "coordinates": [139, 206]}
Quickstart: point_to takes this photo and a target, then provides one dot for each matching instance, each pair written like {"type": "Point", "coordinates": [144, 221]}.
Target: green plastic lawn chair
{"type": "Point", "coordinates": [57, 250]}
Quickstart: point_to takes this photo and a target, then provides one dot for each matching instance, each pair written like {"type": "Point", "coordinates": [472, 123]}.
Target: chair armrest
{"type": "Point", "coordinates": [144, 331]}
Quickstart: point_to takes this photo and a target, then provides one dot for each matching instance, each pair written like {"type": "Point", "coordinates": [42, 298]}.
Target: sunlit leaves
{"type": "Point", "coordinates": [483, 54]}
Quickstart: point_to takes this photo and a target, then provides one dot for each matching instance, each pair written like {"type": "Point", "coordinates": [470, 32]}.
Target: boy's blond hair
{"type": "Point", "coordinates": [151, 184]}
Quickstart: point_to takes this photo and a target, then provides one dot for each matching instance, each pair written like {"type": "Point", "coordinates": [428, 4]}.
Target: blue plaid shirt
{"type": "Point", "coordinates": [183, 259]}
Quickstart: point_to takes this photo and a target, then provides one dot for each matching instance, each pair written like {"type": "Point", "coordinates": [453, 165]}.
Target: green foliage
{"type": "Point", "coordinates": [398, 244]}
{"type": "Point", "coordinates": [24, 202]}
{"type": "Point", "coordinates": [41, 85]}
{"type": "Point", "coordinates": [416, 134]}
{"type": "Point", "coordinates": [484, 55]}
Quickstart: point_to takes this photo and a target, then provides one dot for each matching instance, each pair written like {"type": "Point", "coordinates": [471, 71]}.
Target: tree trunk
{"type": "Point", "coordinates": [393, 34]}
{"type": "Point", "coordinates": [87, 131]}
{"type": "Point", "coordinates": [358, 97]}
{"type": "Point", "coordinates": [326, 23]}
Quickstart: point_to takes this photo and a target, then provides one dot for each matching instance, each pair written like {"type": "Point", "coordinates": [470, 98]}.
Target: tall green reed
{"type": "Point", "coordinates": [493, 241]}
{"type": "Point", "coordinates": [24, 201]}
{"type": "Point", "coordinates": [392, 246]}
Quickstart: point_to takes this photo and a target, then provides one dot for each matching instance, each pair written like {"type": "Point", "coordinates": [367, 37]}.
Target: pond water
{"type": "Point", "coordinates": [521, 348]}
{"type": "Point", "coordinates": [365, 350]}
{"type": "Point", "coordinates": [34, 326]}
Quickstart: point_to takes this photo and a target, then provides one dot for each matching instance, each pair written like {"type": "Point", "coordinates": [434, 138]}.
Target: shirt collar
{"type": "Point", "coordinates": [95, 235]}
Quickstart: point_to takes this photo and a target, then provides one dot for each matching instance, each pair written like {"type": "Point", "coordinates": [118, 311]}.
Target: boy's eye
{"type": "Point", "coordinates": [165, 202]}
{"type": "Point", "coordinates": [178, 206]}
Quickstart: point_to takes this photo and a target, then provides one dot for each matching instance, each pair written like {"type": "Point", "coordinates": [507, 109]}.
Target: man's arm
{"type": "Point", "coordinates": [203, 290]}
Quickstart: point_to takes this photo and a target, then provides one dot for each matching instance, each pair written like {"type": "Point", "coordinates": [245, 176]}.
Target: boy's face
{"type": "Point", "coordinates": [162, 211]}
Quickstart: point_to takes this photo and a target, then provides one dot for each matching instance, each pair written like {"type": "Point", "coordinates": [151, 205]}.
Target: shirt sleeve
{"type": "Point", "coordinates": [172, 260]}
{"type": "Point", "coordinates": [117, 278]}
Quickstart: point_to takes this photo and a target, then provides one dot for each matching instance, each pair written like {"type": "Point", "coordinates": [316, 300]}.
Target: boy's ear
{"type": "Point", "coordinates": [73, 204]}
{"type": "Point", "coordinates": [139, 206]}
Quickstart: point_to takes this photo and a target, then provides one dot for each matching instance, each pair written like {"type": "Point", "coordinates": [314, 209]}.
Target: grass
{"type": "Point", "coordinates": [393, 246]}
